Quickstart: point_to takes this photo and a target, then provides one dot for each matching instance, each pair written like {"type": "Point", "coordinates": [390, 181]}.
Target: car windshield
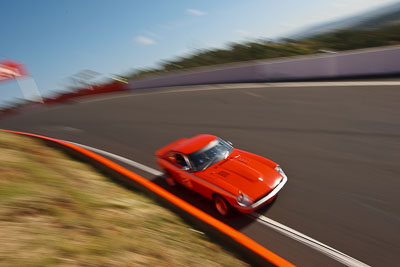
{"type": "Point", "coordinates": [210, 154]}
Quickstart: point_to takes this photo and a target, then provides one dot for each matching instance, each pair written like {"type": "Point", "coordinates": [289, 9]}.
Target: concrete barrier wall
{"type": "Point", "coordinates": [356, 63]}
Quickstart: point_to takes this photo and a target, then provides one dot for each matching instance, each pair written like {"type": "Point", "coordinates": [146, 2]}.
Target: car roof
{"type": "Point", "coordinates": [194, 143]}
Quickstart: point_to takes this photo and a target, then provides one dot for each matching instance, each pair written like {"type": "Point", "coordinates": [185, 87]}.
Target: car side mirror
{"type": "Point", "coordinates": [185, 168]}
{"type": "Point", "coordinates": [230, 143]}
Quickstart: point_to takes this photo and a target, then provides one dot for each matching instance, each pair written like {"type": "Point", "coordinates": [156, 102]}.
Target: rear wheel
{"type": "Point", "coordinates": [168, 178]}
{"type": "Point", "coordinates": [222, 206]}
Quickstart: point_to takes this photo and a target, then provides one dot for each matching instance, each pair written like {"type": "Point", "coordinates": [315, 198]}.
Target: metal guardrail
{"type": "Point", "coordinates": [355, 63]}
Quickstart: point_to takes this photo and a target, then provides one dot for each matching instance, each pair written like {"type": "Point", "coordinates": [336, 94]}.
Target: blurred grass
{"type": "Point", "coordinates": [56, 211]}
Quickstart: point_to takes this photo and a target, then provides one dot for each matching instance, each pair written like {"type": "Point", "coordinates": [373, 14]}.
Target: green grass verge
{"type": "Point", "coordinates": [57, 211]}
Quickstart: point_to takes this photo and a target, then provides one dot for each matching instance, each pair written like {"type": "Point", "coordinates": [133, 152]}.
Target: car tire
{"type": "Point", "coordinates": [222, 206]}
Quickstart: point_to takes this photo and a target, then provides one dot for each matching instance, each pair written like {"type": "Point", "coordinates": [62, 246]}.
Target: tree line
{"type": "Point", "coordinates": [340, 40]}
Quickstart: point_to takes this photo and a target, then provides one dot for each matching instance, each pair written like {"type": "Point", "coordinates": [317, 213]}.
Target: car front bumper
{"type": "Point", "coordinates": [264, 200]}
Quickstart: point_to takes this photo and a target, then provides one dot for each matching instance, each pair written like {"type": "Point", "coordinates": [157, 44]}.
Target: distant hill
{"type": "Point", "coordinates": [377, 18]}
{"type": "Point", "coordinates": [380, 27]}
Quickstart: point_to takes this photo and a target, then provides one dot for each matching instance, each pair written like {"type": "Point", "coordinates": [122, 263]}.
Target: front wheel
{"type": "Point", "coordinates": [222, 206]}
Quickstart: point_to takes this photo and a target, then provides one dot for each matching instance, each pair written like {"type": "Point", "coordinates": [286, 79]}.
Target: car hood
{"type": "Point", "coordinates": [252, 175]}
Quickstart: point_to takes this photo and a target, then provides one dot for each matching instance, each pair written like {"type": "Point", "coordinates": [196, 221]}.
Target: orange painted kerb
{"type": "Point", "coordinates": [237, 236]}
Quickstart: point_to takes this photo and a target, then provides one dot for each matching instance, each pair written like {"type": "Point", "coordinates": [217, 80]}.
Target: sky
{"type": "Point", "coordinates": [57, 39]}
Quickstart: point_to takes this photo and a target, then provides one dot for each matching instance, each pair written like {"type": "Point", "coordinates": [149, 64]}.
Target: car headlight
{"type": "Point", "coordinates": [279, 169]}
{"type": "Point", "coordinates": [243, 200]}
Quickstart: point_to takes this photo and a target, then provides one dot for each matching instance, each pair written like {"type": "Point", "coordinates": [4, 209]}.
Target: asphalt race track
{"type": "Point", "coordinates": [339, 146]}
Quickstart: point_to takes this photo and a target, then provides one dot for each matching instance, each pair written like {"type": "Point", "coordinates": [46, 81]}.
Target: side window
{"type": "Point", "coordinates": [180, 160]}
{"type": "Point", "coordinates": [177, 160]}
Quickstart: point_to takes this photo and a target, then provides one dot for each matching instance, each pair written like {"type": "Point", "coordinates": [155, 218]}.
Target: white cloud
{"type": "Point", "coordinates": [152, 34]}
{"type": "Point", "coordinates": [195, 12]}
{"type": "Point", "coordinates": [144, 40]}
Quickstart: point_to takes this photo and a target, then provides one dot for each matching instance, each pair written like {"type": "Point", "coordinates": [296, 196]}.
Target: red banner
{"type": "Point", "coordinates": [11, 70]}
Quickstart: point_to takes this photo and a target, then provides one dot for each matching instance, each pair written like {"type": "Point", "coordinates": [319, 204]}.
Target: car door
{"type": "Point", "coordinates": [180, 169]}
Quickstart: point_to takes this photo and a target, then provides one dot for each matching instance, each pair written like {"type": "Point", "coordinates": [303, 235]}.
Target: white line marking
{"type": "Point", "coordinates": [253, 94]}
{"type": "Point", "coordinates": [308, 241]}
{"type": "Point", "coordinates": [196, 231]}
{"type": "Point", "coordinates": [66, 128]}
{"type": "Point", "coordinates": [122, 159]}
{"type": "Point", "coordinates": [235, 86]}
{"type": "Point", "coordinates": [287, 231]}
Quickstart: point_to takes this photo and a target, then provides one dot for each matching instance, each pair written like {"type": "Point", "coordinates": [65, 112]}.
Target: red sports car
{"type": "Point", "coordinates": [232, 178]}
